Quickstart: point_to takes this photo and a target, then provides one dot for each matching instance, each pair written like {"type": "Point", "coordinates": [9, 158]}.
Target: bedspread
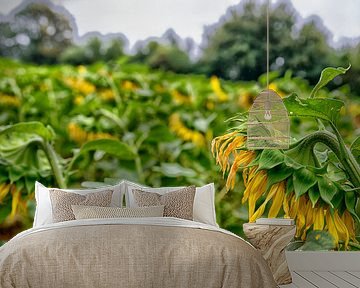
{"type": "Point", "coordinates": [155, 252]}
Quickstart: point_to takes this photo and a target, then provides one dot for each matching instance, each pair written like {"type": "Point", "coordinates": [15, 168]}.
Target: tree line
{"type": "Point", "coordinates": [234, 48]}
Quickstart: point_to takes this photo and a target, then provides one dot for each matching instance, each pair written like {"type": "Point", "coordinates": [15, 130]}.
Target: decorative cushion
{"type": "Point", "coordinates": [93, 212]}
{"type": "Point", "coordinates": [61, 202]}
{"type": "Point", "coordinates": [204, 202]}
{"type": "Point", "coordinates": [177, 203]}
{"type": "Point", "coordinates": [43, 212]}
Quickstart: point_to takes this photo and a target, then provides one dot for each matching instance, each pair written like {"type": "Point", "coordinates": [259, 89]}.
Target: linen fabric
{"type": "Point", "coordinates": [61, 202]}
{"type": "Point", "coordinates": [204, 202]}
{"type": "Point", "coordinates": [177, 203]}
{"type": "Point", "coordinates": [128, 253]}
{"type": "Point", "coordinates": [93, 212]}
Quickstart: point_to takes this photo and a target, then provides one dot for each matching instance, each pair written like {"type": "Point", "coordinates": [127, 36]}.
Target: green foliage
{"type": "Point", "coordinates": [110, 146]}
{"type": "Point", "coordinates": [321, 173]}
{"type": "Point", "coordinates": [36, 128]}
{"type": "Point", "coordinates": [236, 48]}
{"type": "Point", "coordinates": [318, 241]}
{"type": "Point", "coordinates": [109, 122]}
{"type": "Point", "coordinates": [327, 75]}
{"type": "Point", "coordinates": [169, 57]}
{"type": "Point", "coordinates": [76, 124]}
{"type": "Point", "coordinates": [303, 180]}
{"type": "Point", "coordinates": [36, 33]}
{"type": "Point", "coordinates": [355, 149]}
{"type": "Point", "coordinates": [325, 109]}
{"type": "Point", "coordinates": [93, 51]}
{"type": "Point", "coordinates": [270, 158]}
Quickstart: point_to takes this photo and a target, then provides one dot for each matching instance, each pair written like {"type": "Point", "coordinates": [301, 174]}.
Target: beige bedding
{"type": "Point", "coordinates": [114, 254]}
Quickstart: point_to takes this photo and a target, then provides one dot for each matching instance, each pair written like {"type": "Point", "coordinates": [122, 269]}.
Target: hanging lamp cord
{"type": "Point", "coordinates": [267, 43]}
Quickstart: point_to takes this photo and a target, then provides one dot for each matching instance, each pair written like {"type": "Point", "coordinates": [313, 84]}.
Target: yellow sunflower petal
{"type": "Point", "coordinates": [242, 158]}
{"type": "Point", "coordinates": [4, 190]}
{"type": "Point", "coordinates": [237, 142]}
{"type": "Point", "coordinates": [331, 227]}
{"type": "Point", "coordinates": [286, 206]}
{"type": "Point", "coordinates": [318, 218]}
{"type": "Point", "coordinates": [260, 211]}
{"type": "Point", "coordinates": [258, 189]}
{"type": "Point", "coordinates": [300, 217]}
{"type": "Point", "coordinates": [308, 218]}
{"type": "Point", "coordinates": [277, 200]}
{"type": "Point", "coordinates": [341, 228]}
{"type": "Point", "coordinates": [350, 224]}
{"type": "Point", "coordinates": [15, 200]}
{"type": "Point", "coordinates": [294, 207]}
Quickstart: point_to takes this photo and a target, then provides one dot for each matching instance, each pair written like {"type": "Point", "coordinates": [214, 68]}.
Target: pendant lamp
{"type": "Point", "coordinates": [268, 125]}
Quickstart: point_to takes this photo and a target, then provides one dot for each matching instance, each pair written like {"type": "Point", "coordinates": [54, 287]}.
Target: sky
{"type": "Point", "coordinates": [140, 19]}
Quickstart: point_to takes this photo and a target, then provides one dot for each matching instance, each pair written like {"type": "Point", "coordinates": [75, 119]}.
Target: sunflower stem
{"type": "Point", "coordinates": [348, 158]}
{"type": "Point", "coordinates": [351, 243]}
{"type": "Point", "coordinates": [334, 143]}
{"type": "Point", "coordinates": [54, 163]}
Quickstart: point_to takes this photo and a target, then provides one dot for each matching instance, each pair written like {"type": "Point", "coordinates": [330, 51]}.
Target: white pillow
{"type": "Point", "coordinates": [43, 212]}
{"type": "Point", "coordinates": [204, 202]}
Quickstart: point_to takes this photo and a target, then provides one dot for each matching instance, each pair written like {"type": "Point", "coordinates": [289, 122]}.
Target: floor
{"type": "Point", "coordinates": [324, 279]}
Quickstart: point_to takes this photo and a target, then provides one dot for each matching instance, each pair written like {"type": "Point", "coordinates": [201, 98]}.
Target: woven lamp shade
{"type": "Point", "coordinates": [268, 123]}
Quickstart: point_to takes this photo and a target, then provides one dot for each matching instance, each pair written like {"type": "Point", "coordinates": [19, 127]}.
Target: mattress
{"type": "Point", "coordinates": [138, 252]}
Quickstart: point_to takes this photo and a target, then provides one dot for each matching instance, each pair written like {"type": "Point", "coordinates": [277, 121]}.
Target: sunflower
{"type": "Point", "coordinates": [78, 135]}
{"type": "Point", "coordinates": [18, 203]}
{"type": "Point", "coordinates": [246, 99]}
{"type": "Point", "coordinates": [273, 86]}
{"type": "Point", "coordinates": [232, 157]}
{"type": "Point", "coordinates": [129, 85]}
{"type": "Point", "coordinates": [216, 87]}
{"type": "Point", "coordinates": [107, 94]}
{"type": "Point", "coordinates": [4, 191]}
{"type": "Point", "coordinates": [80, 85]}
{"type": "Point", "coordinates": [9, 101]}
{"type": "Point", "coordinates": [179, 128]}
{"type": "Point", "coordinates": [180, 98]}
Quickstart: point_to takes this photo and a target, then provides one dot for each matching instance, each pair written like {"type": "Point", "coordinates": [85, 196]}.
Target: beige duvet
{"type": "Point", "coordinates": [168, 253]}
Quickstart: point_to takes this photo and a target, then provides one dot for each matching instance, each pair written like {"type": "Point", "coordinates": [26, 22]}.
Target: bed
{"type": "Point", "coordinates": [131, 252]}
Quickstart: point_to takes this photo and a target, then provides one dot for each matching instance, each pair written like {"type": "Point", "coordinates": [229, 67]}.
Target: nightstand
{"type": "Point", "coordinates": [272, 240]}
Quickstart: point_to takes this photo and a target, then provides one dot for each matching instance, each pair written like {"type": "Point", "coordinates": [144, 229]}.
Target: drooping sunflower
{"type": "Point", "coordinates": [179, 128]}
{"type": "Point", "coordinates": [273, 188]}
{"type": "Point", "coordinates": [80, 136]}
{"type": "Point", "coordinates": [18, 201]}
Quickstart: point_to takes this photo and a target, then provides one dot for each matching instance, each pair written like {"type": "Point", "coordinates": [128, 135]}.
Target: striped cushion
{"type": "Point", "coordinates": [93, 212]}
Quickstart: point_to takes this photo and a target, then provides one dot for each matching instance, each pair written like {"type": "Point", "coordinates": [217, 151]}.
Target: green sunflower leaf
{"type": "Point", "coordinates": [303, 180]}
{"type": "Point", "coordinates": [327, 75]}
{"type": "Point", "coordinates": [270, 158]}
{"type": "Point", "coordinates": [324, 109]}
{"type": "Point", "coordinates": [110, 146]}
{"type": "Point", "coordinates": [327, 189]}
{"type": "Point", "coordinates": [314, 195]}
{"type": "Point", "coordinates": [35, 128]}
{"type": "Point", "coordinates": [318, 241]}
{"type": "Point", "coordinates": [338, 201]}
{"type": "Point", "coordinates": [289, 185]}
{"type": "Point", "coordinates": [350, 202]}
{"type": "Point", "coordinates": [278, 174]}
{"type": "Point", "coordinates": [355, 149]}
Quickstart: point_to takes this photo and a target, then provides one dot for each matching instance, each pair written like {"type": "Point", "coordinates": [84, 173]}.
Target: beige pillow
{"type": "Point", "coordinates": [177, 203]}
{"type": "Point", "coordinates": [93, 212]}
{"type": "Point", "coordinates": [61, 202]}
